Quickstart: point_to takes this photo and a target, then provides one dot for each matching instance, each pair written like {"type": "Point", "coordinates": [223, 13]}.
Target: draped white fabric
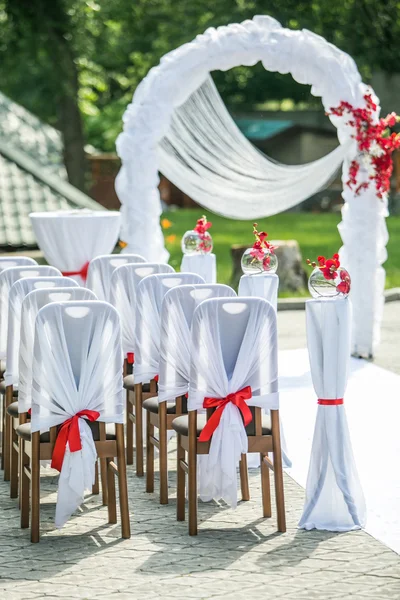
{"type": "Point", "coordinates": [263, 285]}
{"type": "Point", "coordinates": [204, 265]}
{"type": "Point", "coordinates": [334, 498]}
{"type": "Point", "coordinates": [77, 365]}
{"type": "Point", "coordinates": [101, 269]}
{"type": "Point", "coordinates": [176, 319]}
{"type": "Point", "coordinates": [31, 305]}
{"type": "Point", "coordinates": [7, 279]}
{"type": "Point", "coordinates": [124, 283]}
{"type": "Point", "coordinates": [18, 292]}
{"type": "Point", "coordinates": [233, 345]}
{"type": "Point", "coordinates": [150, 295]}
{"type": "Point", "coordinates": [71, 239]}
{"type": "Point", "coordinates": [15, 261]}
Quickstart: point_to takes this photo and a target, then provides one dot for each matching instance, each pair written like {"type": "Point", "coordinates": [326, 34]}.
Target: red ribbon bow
{"type": "Point", "coordinates": [238, 399]}
{"type": "Point", "coordinates": [332, 402]}
{"type": "Point", "coordinates": [69, 432]}
{"type": "Point", "coordinates": [82, 273]}
{"type": "Point", "coordinates": [130, 357]}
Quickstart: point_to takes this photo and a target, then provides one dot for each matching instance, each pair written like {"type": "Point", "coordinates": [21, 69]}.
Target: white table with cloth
{"type": "Point", "coordinates": [70, 239]}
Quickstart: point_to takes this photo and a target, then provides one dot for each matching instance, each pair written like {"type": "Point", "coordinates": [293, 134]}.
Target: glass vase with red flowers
{"type": "Point", "coordinates": [328, 279]}
{"type": "Point", "coordinates": [198, 240]}
{"type": "Point", "coordinates": [260, 258]}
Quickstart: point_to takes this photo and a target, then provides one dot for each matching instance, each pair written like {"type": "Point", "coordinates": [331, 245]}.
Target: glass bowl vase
{"type": "Point", "coordinates": [196, 243]}
{"type": "Point", "coordinates": [261, 261]}
{"type": "Point", "coordinates": [336, 287]}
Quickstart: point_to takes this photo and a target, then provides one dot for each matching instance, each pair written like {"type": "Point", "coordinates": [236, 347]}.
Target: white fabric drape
{"type": "Point", "coordinates": [204, 265]}
{"type": "Point", "coordinates": [18, 292]}
{"type": "Point", "coordinates": [233, 345]}
{"type": "Point", "coordinates": [334, 498]}
{"type": "Point", "coordinates": [77, 365]}
{"type": "Point", "coordinates": [176, 320]}
{"type": "Point", "coordinates": [15, 261]}
{"type": "Point", "coordinates": [124, 283]}
{"type": "Point", "coordinates": [150, 295]}
{"type": "Point", "coordinates": [71, 239]}
{"type": "Point", "coordinates": [7, 279]}
{"type": "Point", "coordinates": [101, 269]}
{"type": "Point", "coordinates": [31, 305]}
{"type": "Point", "coordinates": [263, 285]}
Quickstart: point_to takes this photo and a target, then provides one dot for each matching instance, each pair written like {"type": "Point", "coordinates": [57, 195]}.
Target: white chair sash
{"type": "Point", "coordinates": [233, 345]}
{"type": "Point", "coordinates": [150, 295]}
{"type": "Point", "coordinates": [7, 279]}
{"type": "Point", "coordinates": [262, 285]}
{"type": "Point", "coordinates": [334, 498]}
{"type": "Point", "coordinates": [77, 365]}
{"type": "Point", "coordinates": [31, 305]}
{"type": "Point", "coordinates": [204, 265]}
{"type": "Point", "coordinates": [124, 283]}
{"type": "Point", "coordinates": [101, 269]}
{"type": "Point", "coordinates": [176, 319]}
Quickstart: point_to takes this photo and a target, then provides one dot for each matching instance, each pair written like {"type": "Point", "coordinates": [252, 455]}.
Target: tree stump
{"type": "Point", "coordinates": [292, 276]}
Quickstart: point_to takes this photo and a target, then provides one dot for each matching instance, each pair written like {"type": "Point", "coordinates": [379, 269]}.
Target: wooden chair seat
{"type": "Point", "coordinates": [2, 368]}
{"type": "Point", "coordinates": [24, 431]}
{"type": "Point", "coordinates": [181, 425]}
{"type": "Point", "coordinates": [12, 410]}
{"type": "Point", "coordinates": [3, 389]}
{"type": "Point", "coordinates": [129, 384]}
{"type": "Point", "coordinates": [152, 405]}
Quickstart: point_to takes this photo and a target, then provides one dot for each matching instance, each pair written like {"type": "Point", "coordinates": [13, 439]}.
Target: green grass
{"type": "Point", "coordinates": [316, 234]}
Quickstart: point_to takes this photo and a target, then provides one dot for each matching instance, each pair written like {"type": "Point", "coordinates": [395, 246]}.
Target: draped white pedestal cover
{"type": "Point", "coordinates": [18, 292]}
{"type": "Point", "coordinates": [31, 305]}
{"type": "Point", "coordinates": [334, 498]}
{"type": "Point", "coordinates": [176, 320]}
{"type": "Point", "coordinates": [78, 344]}
{"type": "Point", "coordinates": [71, 239]}
{"type": "Point", "coordinates": [204, 265]}
{"type": "Point", "coordinates": [124, 283]}
{"type": "Point", "coordinates": [263, 285]}
{"type": "Point", "coordinates": [241, 351]}
{"type": "Point", "coordinates": [101, 269]}
{"type": "Point", "coordinates": [150, 295]}
{"type": "Point", "coordinates": [7, 279]}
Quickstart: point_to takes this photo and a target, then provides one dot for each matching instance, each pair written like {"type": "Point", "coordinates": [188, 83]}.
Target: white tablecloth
{"type": "Point", "coordinates": [71, 239]}
{"type": "Point", "coordinates": [204, 265]}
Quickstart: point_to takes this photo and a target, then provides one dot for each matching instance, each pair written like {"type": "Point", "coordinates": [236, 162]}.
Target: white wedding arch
{"type": "Point", "coordinates": [177, 124]}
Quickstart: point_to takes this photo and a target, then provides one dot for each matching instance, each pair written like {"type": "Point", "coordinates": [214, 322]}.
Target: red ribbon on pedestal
{"type": "Point", "coordinates": [82, 273]}
{"type": "Point", "coordinates": [333, 402]}
{"type": "Point", "coordinates": [155, 378]}
{"type": "Point", "coordinates": [130, 357]}
{"type": "Point", "coordinates": [69, 432]}
{"type": "Point", "coordinates": [238, 399]}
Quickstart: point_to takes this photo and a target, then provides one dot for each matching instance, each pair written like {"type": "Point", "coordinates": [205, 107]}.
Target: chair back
{"type": "Point", "coordinates": [101, 269]}
{"type": "Point", "coordinates": [17, 293]}
{"type": "Point", "coordinates": [15, 261]}
{"type": "Point", "coordinates": [77, 366]}
{"type": "Point", "coordinates": [176, 319]}
{"type": "Point", "coordinates": [124, 283]}
{"type": "Point", "coordinates": [7, 279]}
{"type": "Point", "coordinates": [31, 305]}
{"type": "Point", "coordinates": [150, 295]}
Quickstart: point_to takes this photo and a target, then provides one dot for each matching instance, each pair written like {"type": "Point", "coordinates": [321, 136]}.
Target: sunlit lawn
{"type": "Point", "coordinates": [315, 233]}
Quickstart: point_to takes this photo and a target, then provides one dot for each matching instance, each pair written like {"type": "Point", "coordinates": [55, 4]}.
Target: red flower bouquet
{"type": "Point", "coordinates": [328, 279]}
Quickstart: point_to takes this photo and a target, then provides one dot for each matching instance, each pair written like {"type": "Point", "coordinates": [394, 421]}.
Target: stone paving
{"type": "Point", "coordinates": [237, 554]}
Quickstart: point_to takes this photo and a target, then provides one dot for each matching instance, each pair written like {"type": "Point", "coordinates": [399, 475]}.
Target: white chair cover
{"type": "Point", "coordinates": [7, 279]}
{"type": "Point", "coordinates": [150, 295]}
{"type": "Point", "coordinates": [233, 345]}
{"type": "Point", "coordinates": [19, 290]}
{"type": "Point", "coordinates": [263, 285]}
{"type": "Point", "coordinates": [204, 265]}
{"type": "Point", "coordinates": [70, 239]}
{"type": "Point", "coordinates": [101, 269]}
{"type": "Point", "coordinates": [334, 498]}
{"type": "Point", "coordinates": [77, 365]}
{"type": "Point", "coordinates": [15, 261]}
{"type": "Point", "coordinates": [124, 283]}
{"type": "Point", "coordinates": [176, 320]}
{"type": "Point", "coordinates": [31, 305]}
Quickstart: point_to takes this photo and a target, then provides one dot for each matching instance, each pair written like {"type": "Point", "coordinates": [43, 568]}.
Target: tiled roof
{"type": "Point", "coordinates": [32, 175]}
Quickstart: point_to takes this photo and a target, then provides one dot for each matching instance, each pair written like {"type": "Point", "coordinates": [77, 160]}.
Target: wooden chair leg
{"type": "Point", "coordinates": [163, 453]}
{"type": "Point", "coordinates": [139, 430]}
{"type": "Point", "coordinates": [24, 490]}
{"type": "Point", "coordinates": [244, 478]}
{"type": "Point", "coordinates": [112, 499]}
{"type": "Point", "coordinates": [14, 459]}
{"type": "Point", "coordinates": [278, 472]}
{"type": "Point", "coordinates": [96, 485]}
{"type": "Point", "coordinates": [129, 430]}
{"type": "Point", "coordinates": [180, 482]}
{"type": "Point", "coordinates": [3, 412]}
{"type": "Point", "coordinates": [122, 482]}
{"type": "Point", "coordinates": [35, 487]}
{"type": "Point", "coordinates": [265, 487]}
{"type": "Point", "coordinates": [149, 455]}
{"type": "Point", "coordinates": [192, 473]}
{"type": "Point", "coordinates": [7, 434]}
{"type": "Point", "coordinates": [104, 480]}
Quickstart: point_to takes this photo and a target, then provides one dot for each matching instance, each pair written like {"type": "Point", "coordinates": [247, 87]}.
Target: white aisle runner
{"type": "Point", "coordinates": [372, 404]}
